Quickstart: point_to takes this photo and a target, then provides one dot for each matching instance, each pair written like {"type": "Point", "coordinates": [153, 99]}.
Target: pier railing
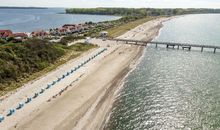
{"type": "Point", "coordinates": [167, 44]}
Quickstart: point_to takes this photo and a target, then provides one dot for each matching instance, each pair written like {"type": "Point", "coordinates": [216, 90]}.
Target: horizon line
{"type": "Point", "coordinates": [110, 7]}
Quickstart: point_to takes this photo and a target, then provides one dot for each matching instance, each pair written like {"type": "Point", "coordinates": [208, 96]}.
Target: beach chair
{"type": "Point", "coordinates": [11, 112]}
{"type": "Point", "coordinates": [28, 100]}
{"type": "Point", "coordinates": [20, 105]}
{"type": "Point", "coordinates": [54, 82]}
{"type": "Point", "coordinates": [35, 95]}
{"type": "Point", "coordinates": [59, 79]}
{"type": "Point", "coordinates": [41, 91]}
{"type": "Point", "coordinates": [1, 118]}
{"type": "Point", "coordinates": [48, 86]}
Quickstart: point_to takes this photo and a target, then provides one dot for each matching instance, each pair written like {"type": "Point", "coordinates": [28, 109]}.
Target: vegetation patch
{"type": "Point", "coordinates": [22, 62]}
{"type": "Point", "coordinates": [123, 28]}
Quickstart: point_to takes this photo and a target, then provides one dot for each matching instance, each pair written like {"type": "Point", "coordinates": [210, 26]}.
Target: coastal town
{"type": "Point", "coordinates": [53, 33]}
{"type": "Point", "coordinates": [72, 31]}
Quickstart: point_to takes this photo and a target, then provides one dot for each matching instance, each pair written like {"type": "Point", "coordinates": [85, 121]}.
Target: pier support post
{"type": "Point", "coordinates": [214, 50]}
{"type": "Point", "coordinates": [178, 47]}
{"type": "Point", "coordinates": [190, 48]}
{"type": "Point", "coordinates": [202, 49]}
{"type": "Point", "coordinates": [156, 45]}
{"type": "Point", "coordinates": [167, 45]}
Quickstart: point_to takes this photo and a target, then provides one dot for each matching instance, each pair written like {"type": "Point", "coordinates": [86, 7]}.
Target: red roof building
{"type": "Point", "coordinates": [23, 35]}
{"type": "Point", "coordinates": [39, 34]}
{"type": "Point", "coordinates": [69, 25]}
{"type": "Point", "coordinates": [5, 33]}
{"type": "Point", "coordinates": [20, 37]}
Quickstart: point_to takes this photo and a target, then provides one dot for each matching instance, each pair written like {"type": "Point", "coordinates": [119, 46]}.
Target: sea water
{"type": "Point", "coordinates": [174, 89]}
{"type": "Point", "coordinates": [28, 20]}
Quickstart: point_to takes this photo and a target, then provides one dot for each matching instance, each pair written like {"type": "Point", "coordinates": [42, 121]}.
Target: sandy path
{"type": "Point", "coordinates": [87, 102]}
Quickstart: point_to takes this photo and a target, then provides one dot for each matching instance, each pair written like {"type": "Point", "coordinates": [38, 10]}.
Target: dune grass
{"type": "Point", "coordinates": [22, 76]}
{"type": "Point", "coordinates": [121, 29]}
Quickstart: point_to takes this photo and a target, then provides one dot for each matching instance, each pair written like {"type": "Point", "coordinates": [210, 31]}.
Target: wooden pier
{"type": "Point", "coordinates": [184, 46]}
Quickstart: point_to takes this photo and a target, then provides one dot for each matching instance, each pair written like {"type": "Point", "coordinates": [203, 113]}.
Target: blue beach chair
{"type": "Point", "coordinates": [54, 82]}
{"type": "Point", "coordinates": [59, 79]}
{"type": "Point", "coordinates": [28, 100]}
{"type": "Point", "coordinates": [48, 86]}
{"type": "Point", "coordinates": [1, 118]}
{"type": "Point", "coordinates": [41, 91]}
{"type": "Point", "coordinates": [11, 112]}
{"type": "Point", "coordinates": [20, 105]}
{"type": "Point", "coordinates": [35, 95]}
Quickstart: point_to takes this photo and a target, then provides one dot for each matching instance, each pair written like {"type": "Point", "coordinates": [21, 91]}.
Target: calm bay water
{"type": "Point", "coordinates": [174, 89]}
{"type": "Point", "coordinates": [27, 20]}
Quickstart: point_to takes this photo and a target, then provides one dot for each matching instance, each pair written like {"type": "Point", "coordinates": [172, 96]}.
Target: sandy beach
{"type": "Point", "coordinates": [82, 100]}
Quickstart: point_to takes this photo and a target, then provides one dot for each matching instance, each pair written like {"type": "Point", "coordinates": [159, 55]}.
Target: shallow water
{"type": "Point", "coordinates": [27, 20]}
{"type": "Point", "coordinates": [173, 89]}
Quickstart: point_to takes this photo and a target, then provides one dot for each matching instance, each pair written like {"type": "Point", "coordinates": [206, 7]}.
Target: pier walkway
{"type": "Point", "coordinates": [167, 44]}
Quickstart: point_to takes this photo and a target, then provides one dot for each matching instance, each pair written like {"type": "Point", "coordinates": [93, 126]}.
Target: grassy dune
{"type": "Point", "coordinates": [119, 30]}
{"type": "Point", "coordinates": [20, 63]}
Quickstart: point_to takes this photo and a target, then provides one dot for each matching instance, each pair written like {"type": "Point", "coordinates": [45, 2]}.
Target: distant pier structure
{"type": "Point", "coordinates": [184, 46]}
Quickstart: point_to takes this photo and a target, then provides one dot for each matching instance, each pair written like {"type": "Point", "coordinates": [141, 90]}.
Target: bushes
{"type": "Point", "coordinates": [65, 40]}
{"type": "Point", "coordinates": [2, 41]}
{"type": "Point", "coordinates": [19, 60]}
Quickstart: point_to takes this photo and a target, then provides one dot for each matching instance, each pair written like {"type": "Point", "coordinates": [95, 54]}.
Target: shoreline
{"type": "Point", "coordinates": [88, 101]}
{"type": "Point", "coordinates": [134, 66]}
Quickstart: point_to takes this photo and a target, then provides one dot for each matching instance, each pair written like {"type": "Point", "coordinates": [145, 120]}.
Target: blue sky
{"type": "Point", "coordinates": [115, 3]}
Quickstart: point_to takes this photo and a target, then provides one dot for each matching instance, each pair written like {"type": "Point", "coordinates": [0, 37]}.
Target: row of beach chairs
{"type": "Point", "coordinates": [28, 100]}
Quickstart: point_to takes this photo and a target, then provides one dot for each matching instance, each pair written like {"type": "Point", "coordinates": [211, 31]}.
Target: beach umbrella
{"type": "Point", "coordinates": [1, 118]}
